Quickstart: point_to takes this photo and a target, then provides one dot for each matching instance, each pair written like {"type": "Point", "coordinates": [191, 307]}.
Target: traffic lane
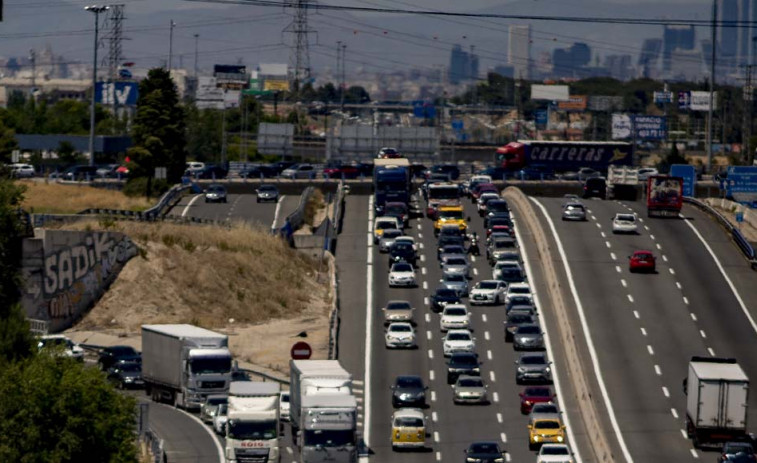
{"type": "Point", "coordinates": [709, 303]}
{"type": "Point", "coordinates": [247, 209]}
{"type": "Point", "coordinates": [287, 204]}
{"type": "Point", "coordinates": [641, 407]}
{"type": "Point", "coordinates": [185, 440]}
{"type": "Point", "coordinates": [351, 265]}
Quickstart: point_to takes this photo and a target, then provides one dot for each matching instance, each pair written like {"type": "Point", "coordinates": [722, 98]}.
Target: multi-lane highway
{"type": "Point", "coordinates": [238, 207]}
{"type": "Point", "coordinates": [645, 327]}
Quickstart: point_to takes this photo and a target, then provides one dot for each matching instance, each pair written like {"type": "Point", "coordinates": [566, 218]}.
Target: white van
{"type": "Point", "coordinates": [194, 166]}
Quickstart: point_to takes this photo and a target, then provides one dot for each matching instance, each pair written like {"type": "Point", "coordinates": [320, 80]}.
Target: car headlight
{"type": "Point", "coordinates": [536, 438]}
{"type": "Point", "coordinates": [547, 369]}
{"type": "Point", "coordinates": [521, 370]}
{"type": "Point", "coordinates": [560, 438]}
{"type": "Point", "coordinates": [472, 460]}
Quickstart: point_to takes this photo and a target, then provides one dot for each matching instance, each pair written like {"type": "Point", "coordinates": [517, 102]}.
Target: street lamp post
{"type": "Point", "coordinates": [96, 10]}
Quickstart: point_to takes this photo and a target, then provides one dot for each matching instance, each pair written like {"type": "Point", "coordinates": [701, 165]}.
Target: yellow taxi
{"type": "Point", "coordinates": [545, 430]}
{"type": "Point", "coordinates": [450, 215]}
{"type": "Point", "coordinates": [408, 429]}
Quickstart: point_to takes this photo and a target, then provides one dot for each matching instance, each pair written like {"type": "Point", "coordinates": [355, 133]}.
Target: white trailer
{"type": "Point", "coordinates": [622, 183]}
{"type": "Point", "coordinates": [253, 422]}
{"type": "Point", "coordinates": [183, 364]}
{"type": "Point", "coordinates": [716, 405]}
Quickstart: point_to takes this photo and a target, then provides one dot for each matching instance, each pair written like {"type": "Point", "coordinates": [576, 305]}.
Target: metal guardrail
{"type": "Point", "coordinates": [746, 248]}
{"type": "Point", "coordinates": [334, 318]}
{"type": "Point", "coordinates": [153, 213]}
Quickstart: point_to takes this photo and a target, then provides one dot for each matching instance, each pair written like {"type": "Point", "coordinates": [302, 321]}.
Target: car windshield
{"type": "Point", "coordinates": [386, 224]}
{"type": "Point", "coordinates": [451, 215]}
{"type": "Point", "coordinates": [545, 408]}
{"type": "Point", "coordinates": [408, 422]}
{"type": "Point", "coordinates": [532, 360]}
{"type": "Point", "coordinates": [520, 290]}
{"type": "Point", "coordinates": [519, 318]}
{"type": "Point", "coordinates": [402, 247]}
{"type": "Point", "coordinates": [520, 300]}
{"type": "Point", "coordinates": [443, 192]}
{"type": "Point", "coordinates": [464, 360]}
{"type": "Point", "coordinates": [504, 244]}
{"type": "Point", "coordinates": [546, 424]}
{"type": "Point", "coordinates": [402, 268]}
{"type": "Point", "coordinates": [458, 337]}
{"type": "Point", "coordinates": [488, 285]}
{"type": "Point", "coordinates": [252, 430]}
{"type": "Point", "coordinates": [267, 188]}
{"type": "Point", "coordinates": [121, 351]}
{"type": "Point", "coordinates": [444, 292]}
{"type": "Point", "coordinates": [329, 438]}
{"type": "Point", "coordinates": [538, 392]}
{"type": "Point", "coordinates": [532, 329]}
{"type": "Point", "coordinates": [216, 400]}
{"type": "Point", "coordinates": [409, 381]}
{"type": "Point", "coordinates": [625, 218]}
{"type": "Point", "coordinates": [456, 261]}
{"type": "Point", "coordinates": [470, 382]}
{"type": "Point", "coordinates": [454, 278]}
{"type": "Point", "coordinates": [484, 448]}
{"type": "Point", "coordinates": [130, 367]}
{"type": "Point", "coordinates": [643, 256]}
{"type": "Point", "coordinates": [736, 447]}
{"type": "Point", "coordinates": [574, 207]}
{"type": "Point", "coordinates": [455, 311]}
{"type": "Point", "coordinates": [215, 189]}
{"type": "Point", "coordinates": [398, 306]}
{"type": "Point", "coordinates": [204, 365]}
{"type": "Point", "coordinates": [56, 342]}
{"type": "Point", "coordinates": [400, 329]}
{"type": "Point", "coordinates": [554, 450]}
{"type": "Point", "coordinates": [391, 234]}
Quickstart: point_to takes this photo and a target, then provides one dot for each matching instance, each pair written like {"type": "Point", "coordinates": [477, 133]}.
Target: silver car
{"type": "Point", "coordinates": [387, 239]}
{"type": "Point", "coordinates": [456, 264]}
{"type": "Point", "coordinates": [533, 368]}
{"type": "Point", "coordinates": [528, 337]}
{"type": "Point", "coordinates": [469, 390]}
{"type": "Point", "coordinates": [457, 282]}
{"type": "Point", "coordinates": [398, 311]}
{"type": "Point", "coordinates": [220, 419]}
{"type": "Point", "coordinates": [210, 407]}
{"type": "Point", "coordinates": [574, 211]}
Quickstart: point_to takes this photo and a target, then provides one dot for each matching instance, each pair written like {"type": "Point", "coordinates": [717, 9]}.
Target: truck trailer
{"type": "Point", "coordinates": [664, 196]}
{"type": "Point", "coordinates": [561, 156]}
{"type": "Point", "coordinates": [323, 411]}
{"type": "Point", "coordinates": [183, 364]}
{"type": "Point", "coordinates": [253, 422]}
{"type": "Point", "coordinates": [391, 182]}
{"type": "Point", "coordinates": [716, 401]}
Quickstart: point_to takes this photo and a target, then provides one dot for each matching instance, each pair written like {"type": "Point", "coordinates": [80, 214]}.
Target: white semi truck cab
{"type": "Point", "coordinates": [252, 427]}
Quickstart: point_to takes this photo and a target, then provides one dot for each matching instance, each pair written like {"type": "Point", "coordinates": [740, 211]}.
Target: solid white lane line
{"type": "Point", "coordinates": [674, 412]}
{"type": "Point", "coordinates": [430, 354]}
{"type": "Point", "coordinates": [623, 282]}
{"type": "Point", "coordinates": [657, 370]}
{"type": "Point", "coordinates": [499, 417]}
{"type": "Point", "coordinates": [483, 317]}
{"type": "Point", "coordinates": [368, 335]}
{"type": "Point", "coordinates": [192, 201]}
{"type": "Point", "coordinates": [434, 417]}
{"type": "Point", "coordinates": [665, 391]}
{"type": "Point", "coordinates": [547, 338]}
{"type": "Point", "coordinates": [693, 316]}
{"type": "Point", "coordinates": [710, 351]}
{"type": "Point", "coordinates": [643, 331]}
{"type": "Point", "coordinates": [613, 256]}
{"type": "Point", "coordinates": [725, 275]}
{"type": "Point", "coordinates": [492, 378]}
{"type": "Point", "coordinates": [496, 397]}
{"type": "Point", "coordinates": [704, 336]}
{"type": "Point", "coordinates": [636, 314]}
{"type": "Point", "coordinates": [370, 258]}
{"type": "Point", "coordinates": [650, 350]}
{"type": "Point", "coordinates": [489, 354]}
{"type": "Point", "coordinates": [630, 298]}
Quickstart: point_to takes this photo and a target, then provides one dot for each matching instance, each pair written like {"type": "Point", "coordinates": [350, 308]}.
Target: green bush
{"type": "Point", "coordinates": [138, 187]}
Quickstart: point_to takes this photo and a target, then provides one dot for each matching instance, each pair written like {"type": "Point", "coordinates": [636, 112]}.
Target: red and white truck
{"type": "Point", "coordinates": [664, 196]}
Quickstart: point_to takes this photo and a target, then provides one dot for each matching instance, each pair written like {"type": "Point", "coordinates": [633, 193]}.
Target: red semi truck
{"type": "Point", "coordinates": [664, 196]}
{"type": "Point", "coordinates": [563, 155]}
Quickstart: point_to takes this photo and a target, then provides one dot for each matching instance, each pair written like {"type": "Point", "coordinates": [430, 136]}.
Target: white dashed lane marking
{"type": "Point", "coordinates": [665, 391]}
{"type": "Point", "coordinates": [650, 350]}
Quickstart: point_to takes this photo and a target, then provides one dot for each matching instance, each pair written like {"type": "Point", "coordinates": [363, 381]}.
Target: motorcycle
{"type": "Point", "coordinates": [473, 248]}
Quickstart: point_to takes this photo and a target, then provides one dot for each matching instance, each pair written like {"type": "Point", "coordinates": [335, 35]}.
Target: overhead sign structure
{"type": "Point", "coordinates": [276, 85]}
{"type": "Point", "coordinates": [208, 95]}
{"type": "Point", "coordinates": [117, 93]}
{"type": "Point", "coordinates": [301, 351]}
{"type": "Point", "coordinates": [689, 175]}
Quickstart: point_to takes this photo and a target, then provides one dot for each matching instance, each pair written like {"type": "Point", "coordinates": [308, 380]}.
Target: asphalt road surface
{"type": "Point", "coordinates": [238, 207]}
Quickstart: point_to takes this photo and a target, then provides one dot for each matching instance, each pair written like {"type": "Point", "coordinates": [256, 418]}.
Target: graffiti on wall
{"type": "Point", "coordinates": [74, 276]}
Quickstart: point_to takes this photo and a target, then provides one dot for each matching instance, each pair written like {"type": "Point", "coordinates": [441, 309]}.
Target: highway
{"type": "Point", "coordinates": [645, 327]}
{"type": "Point", "coordinates": [238, 207]}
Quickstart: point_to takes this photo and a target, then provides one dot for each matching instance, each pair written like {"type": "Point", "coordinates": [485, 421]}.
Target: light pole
{"type": "Point", "coordinates": [170, 46]}
{"type": "Point", "coordinates": [96, 10]}
{"type": "Point", "coordinates": [197, 39]}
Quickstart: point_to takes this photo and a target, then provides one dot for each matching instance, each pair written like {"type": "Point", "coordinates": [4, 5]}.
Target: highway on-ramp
{"type": "Point", "coordinates": [243, 207]}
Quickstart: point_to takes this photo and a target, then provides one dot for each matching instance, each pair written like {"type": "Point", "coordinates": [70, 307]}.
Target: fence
{"type": "Point", "coordinates": [746, 248]}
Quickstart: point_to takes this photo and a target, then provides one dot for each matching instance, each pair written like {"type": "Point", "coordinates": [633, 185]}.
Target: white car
{"type": "Point", "coordinates": [407, 239]}
{"type": "Point", "coordinates": [402, 274]}
{"type": "Point", "coordinates": [624, 223]}
{"type": "Point", "coordinates": [458, 341]}
{"type": "Point", "coordinates": [400, 335]}
{"type": "Point", "coordinates": [454, 317]}
{"type": "Point", "coordinates": [22, 170]}
{"type": "Point", "coordinates": [284, 406]}
{"type": "Point", "coordinates": [384, 223]}
{"type": "Point", "coordinates": [60, 341]}
{"type": "Point", "coordinates": [220, 419]}
{"type": "Point", "coordinates": [646, 172]}
{"type": "Point", "coordinates": [518, 289]}
{"type": "Point", "coordinates": [481, 201]}
{"type": "Point", "coordinates": [554, 453]}
{"type": "Point", "coordinates": [488, 292]}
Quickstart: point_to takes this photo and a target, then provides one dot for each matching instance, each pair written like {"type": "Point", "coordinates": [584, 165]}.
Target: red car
{"type": "Point", "coordinates": [641, 261]}
{"type": "Point", "coordinates": [498, 229]}
{"type": "Point", "coordinates": [343, 171]}
{"type": "Point", "coordinates": [535, 395]}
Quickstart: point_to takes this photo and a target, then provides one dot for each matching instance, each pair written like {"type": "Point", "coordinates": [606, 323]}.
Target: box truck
{"type": "Point", "coordinates": [252, 426]}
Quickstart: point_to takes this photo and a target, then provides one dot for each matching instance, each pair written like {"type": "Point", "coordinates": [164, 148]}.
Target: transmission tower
{"type": "Point", "coordinates": [114, 36]}
{"type": "Point", "coordinates": [299, 57]}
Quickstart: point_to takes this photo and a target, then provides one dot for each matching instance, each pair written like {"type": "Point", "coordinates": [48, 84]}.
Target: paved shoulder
{"type": "Point", "coordinates": [185, 439]}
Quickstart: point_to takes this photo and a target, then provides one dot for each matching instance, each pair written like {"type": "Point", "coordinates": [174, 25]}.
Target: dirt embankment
{"type": "Point", "coordinates": [241, 281]}
{"type": "Point", "coordinates": [54, 198]}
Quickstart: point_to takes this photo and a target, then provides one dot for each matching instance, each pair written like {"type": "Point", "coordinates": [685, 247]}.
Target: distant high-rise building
{"type": "Point", "coordinates": [473, 64]}
{"type": "Point", "coordinates": [505, 71]}
{"type": "Point", "coordinates": [459, 65]}
{"type": "Point", "coordinates": [519, 51]}
{"type": "Point", "coordinates": [568, 62]}
{"type": "Point", "coordinates": [729, 36]}
{"type": "Point", "coordinates": [650, 53]}
{"type": "Point", "coordinates": [676, 38]}
{"type": "Point", "coordinates": [619, 66]}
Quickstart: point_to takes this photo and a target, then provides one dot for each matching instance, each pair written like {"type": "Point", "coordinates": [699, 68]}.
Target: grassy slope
{"type": "Point", "coordinates": [54, 198]}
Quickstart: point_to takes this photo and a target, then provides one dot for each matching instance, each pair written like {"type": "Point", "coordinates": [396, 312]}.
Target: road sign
{"type": "Point", "coordinates": [663, 97]}
{"type": "Point", "coordinates": [689, 175]}
{"type": "Point", "coordinates": [741, 179]}
{"type": "Point", "coordinates": [301, 351]}
{"type": "Point", "coordinates": [424, 109]}
{"type": "Point", "coordinates": [542, 118]}
{"type": "Point", "coordinates": [739, 217]}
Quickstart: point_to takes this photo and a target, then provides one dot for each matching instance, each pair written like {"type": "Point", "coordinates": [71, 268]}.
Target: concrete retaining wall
{"type": "Point", "coordinates": [66, 272]}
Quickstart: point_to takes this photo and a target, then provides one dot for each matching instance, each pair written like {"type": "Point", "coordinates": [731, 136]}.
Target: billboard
{"type": "Point", "coordinates": [605, 103]}
{"type": "Point", "coordinates": [700, 101]}
{"type": "Point", "coordinates": [574, 103]}
{"type": "Point", "coordinates": [550, 92]}
{"type": "Point", "coordinates": [117, 93]}
{"type": "Point", "coordinates": [689, 175]}
{"type": "Point", "coordinates": [624, 126]}
{"type": "Point", "coordinates": [276, 85]}
{"type": "Point", "coordinates": [230, 76]}
{"type": "Point", "coordinates": [208, 95]}
{"type": "Point", "coordinates": [621, 126]}
{"type": "Point", "coordinates": [663, 97]}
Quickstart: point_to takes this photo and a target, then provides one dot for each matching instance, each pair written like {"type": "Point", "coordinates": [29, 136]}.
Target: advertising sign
{"type": "Point", "coordinates": [276, 85]}
{"type": "Point", "coordinates": [663, 97]}
{"type": "Point", "coordinates": [689, 175]}
{"type": "Point", "coordinates": [208, 95]}
{"type": "Point", "coordinates": [700, 101]}
{"type": "Point", "coordinates": [230, 76]}
{"type": "Point", "coordinates": [621, 126]}
{"type": "Point", "coordinates": [550, 92]}
{"type": "Point", "coordinates": [650, 127]}
{"type": "Point", "coordinates": [605, 103]}
{"type": "Point", "coordinates": [231, 98]}
{"type": "Point", "coordinates": [741, 179]}
{"type": "Point", "coordinates": [574, 103]}
{"type": "Point", "coordinates": [542, 117]}
{"type": "Point", "coordinates": [117, 93]}
{"type": "Point", "coordinates": [684, 100]}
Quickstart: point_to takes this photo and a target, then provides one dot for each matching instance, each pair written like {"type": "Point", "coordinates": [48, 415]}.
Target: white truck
{"type": "Point", "coordinates": [323, 411]}
{"type": "Point", "coordinates": [252, 426]}
{"type": "Point", "coordinates": [716, 403]}
{"type": "Point", "coordinates": [183, 364]}
{"type": "Point", "coordinates": [622, 183]}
